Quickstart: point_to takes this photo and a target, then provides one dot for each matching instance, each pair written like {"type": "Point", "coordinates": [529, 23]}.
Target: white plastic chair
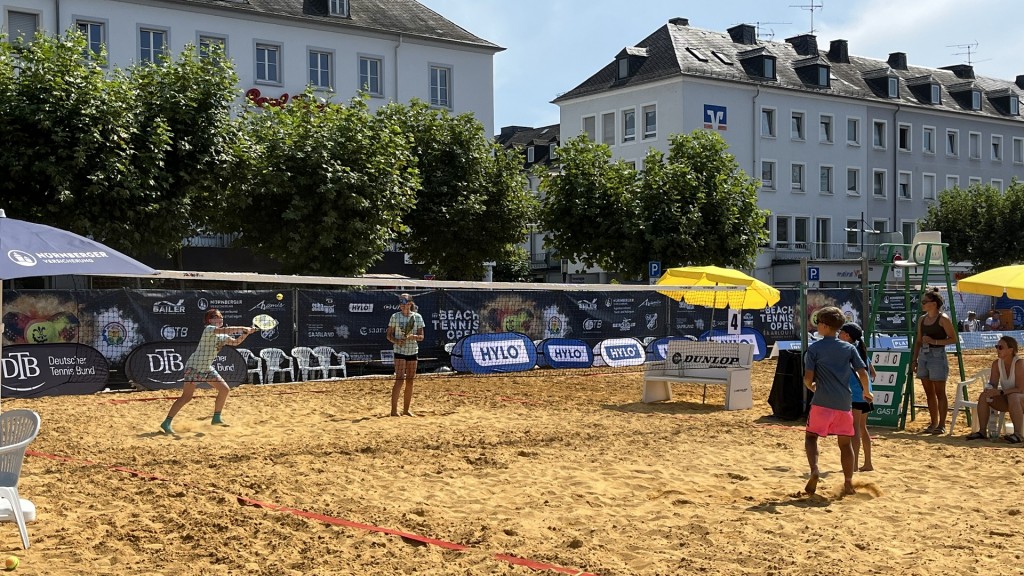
{"type": "Point", "coordinates": [919, 250]}
{"type": "Point", "coordinates": [325, 354]}
{"type": "Point", "coordinates": [18, 428]}
{"type": "Point", "coordinates": [251, 359]}
{"type": "Point", "coordinates": [275, 360]}
{"type": "Point", "coordinates": [304, 362]}
{"type": "Point", "coordinates": [963, 390]}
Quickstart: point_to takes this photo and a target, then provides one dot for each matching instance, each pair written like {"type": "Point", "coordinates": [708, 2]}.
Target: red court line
{"type": "Point", "coordinates": [242, 500]}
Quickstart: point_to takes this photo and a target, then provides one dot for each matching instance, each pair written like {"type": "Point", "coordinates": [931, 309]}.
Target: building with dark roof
{"type": "Point", "coordinates": [395, 49]}
{"type": "Point", "coordinates": [848, 149]}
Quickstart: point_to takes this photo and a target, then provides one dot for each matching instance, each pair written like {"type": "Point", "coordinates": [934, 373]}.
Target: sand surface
{"type": "Point", "coordinates": [570, 472]}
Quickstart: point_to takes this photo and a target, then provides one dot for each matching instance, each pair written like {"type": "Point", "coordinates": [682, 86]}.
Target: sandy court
{"type": "Point", "coordinates": [571, 472]}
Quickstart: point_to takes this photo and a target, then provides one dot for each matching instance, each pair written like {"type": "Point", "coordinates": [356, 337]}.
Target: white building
{"type": "Point", "coordinates": [841, 143]}
{"type": "Point", "coordinates": [396, 49]}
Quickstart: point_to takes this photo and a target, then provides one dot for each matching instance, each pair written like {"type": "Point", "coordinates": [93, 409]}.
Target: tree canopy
{"type": "Point", "coordinates": [693, 206]}
{"type": "Point", "coordinates": [981, 224]}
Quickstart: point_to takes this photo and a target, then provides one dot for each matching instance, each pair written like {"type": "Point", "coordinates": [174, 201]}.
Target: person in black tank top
{"type": "Point", "coordinates": [934, 331]}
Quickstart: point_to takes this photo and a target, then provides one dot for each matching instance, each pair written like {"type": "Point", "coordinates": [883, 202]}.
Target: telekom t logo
{"type": "Point", "coordinates": [715, 117]}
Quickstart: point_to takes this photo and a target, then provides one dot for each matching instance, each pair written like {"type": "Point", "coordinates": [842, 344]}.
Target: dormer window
{"type": "Point", "coordinates": [628, 61]}
{"type": "Point", "coordinates": [936, 94]}
{"type": "Point", "coordinates": [623, 68]}
{"type": "Point", "coordinates": [339, 7]}
{"type": "Point", "coordinates": [893, 88]}
{"type": "Point", "coordinates": [530, 155]}
{"type": "Point", "coordinates": [1014, 103]}
{"type": "Point", "coordinates": [1005, 101]}
{"type": "Point", "coordinates": [551, 150]}
{"type": "Point", "coordinates": [925, 88]}
{"type": "Point", "coordinates": [769, 67]}
{"type": "Point", "coordinates": [975, 100]}
{"type": "Point", "coordinates": [758, 62]}
{"type": "Point", "coordinates": [813, 71]}
{"type": "Point", "coordinates": [966, 94]}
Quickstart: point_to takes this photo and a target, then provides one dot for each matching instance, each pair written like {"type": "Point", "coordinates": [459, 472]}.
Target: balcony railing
{"type": "Point", "coordinates": [821, 251]}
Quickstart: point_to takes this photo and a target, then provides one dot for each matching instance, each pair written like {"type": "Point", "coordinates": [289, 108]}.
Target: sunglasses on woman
{"type": "Point", "coordinates": [1001, 347]}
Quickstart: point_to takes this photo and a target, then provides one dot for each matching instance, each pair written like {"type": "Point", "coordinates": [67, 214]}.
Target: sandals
{"type": "Point", "coordinates": [1013, 438]}
{"type": "Point", "coordinates": [938, 430]}
{"type": "Point", "coordinates": [928, 430]}
{"type": "Point", "coordinates": [976, 436]}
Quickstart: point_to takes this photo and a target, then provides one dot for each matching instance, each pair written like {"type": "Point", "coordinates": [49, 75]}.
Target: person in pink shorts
{"type": "Point", "coordinates": [829, 364]}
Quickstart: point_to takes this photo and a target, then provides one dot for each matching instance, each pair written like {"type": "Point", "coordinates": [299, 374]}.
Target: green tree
{"type": "Point", "coordinates": [973, 219]}
{"type": "Point", "coordinates": [323, 188]}
{"type": "Point", "coordinates": [513, 267]}
{"type": "Point", "coordinates": [693, 206]}
{"type": "Point", "coordinates": [472, 205]}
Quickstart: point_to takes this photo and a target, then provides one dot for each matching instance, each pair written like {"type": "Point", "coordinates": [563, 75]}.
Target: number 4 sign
{"type": "Point", "coordinates": [735, 324]}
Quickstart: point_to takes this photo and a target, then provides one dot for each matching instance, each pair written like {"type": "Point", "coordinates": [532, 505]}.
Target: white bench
{"type": "Point", "coordinates": [726, 363]}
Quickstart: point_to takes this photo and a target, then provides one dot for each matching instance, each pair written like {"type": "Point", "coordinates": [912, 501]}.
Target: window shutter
{"type": "Point", "coordinates": [22, 24]}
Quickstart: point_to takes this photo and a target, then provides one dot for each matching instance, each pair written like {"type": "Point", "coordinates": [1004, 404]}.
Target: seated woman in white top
{"type": "Point", "coordinates": [1004, 392]}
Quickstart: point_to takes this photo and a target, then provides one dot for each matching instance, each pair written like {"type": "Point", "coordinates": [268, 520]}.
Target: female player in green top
{"type": "Point", "coordinates": [199, 367]}
{"type": "Point", "coordinates": [405, 331]}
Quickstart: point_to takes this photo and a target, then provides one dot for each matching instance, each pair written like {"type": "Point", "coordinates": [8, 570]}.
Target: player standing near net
{"type": "Point", "coordinates": [405, 331]}
{"type": "Point", "coordinates": [199, 367]}
{"type": "Point", "coordinates": [828, 365]}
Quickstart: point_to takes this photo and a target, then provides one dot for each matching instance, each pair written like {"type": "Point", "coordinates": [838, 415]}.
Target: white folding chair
{"type": "Point", "coordinates": [18, 428]}
{"type": "Point", "coordinates": [274, 361]}
{"type": "Point", "coordinates": [251, 360]}
{"type": "Point", "coordinates": [325, 354]}
{"type": "Point", "coordinates": [304, 362]}
{"type": "Point", "coordinates": [963, 401]}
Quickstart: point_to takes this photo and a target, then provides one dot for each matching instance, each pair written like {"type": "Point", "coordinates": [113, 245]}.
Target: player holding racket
{"type": "Point", "coordinates": [405, 331]}
{"type": "Point", "coordinates": [199, 367]}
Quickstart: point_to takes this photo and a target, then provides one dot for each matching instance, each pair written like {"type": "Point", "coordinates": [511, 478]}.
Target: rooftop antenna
{"type": "Point", "coordinates": [967, 48]}
{"type": "Point", "coordinates": [770, 34]}
{"type": "Point", "coordinates": [811, 7]}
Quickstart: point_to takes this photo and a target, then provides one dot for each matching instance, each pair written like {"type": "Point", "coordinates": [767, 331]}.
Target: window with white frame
{"type": "Point", "coordinates": [825, 129]}
{"type": "Point", "coordinates": [997, 183]}
{"type": "Point", "coordinates": [339, 7]}
{"type": "Point", "coordinates": [825, 185]}
{"type": "Point", "coordinates": [1018, 150]}
{"type": "Point", "coordinates": [796, 126]}
{"type": "Point", "coordinates": [801, 231]}
{"type": "Point", "coordinates": [629, 125]}
{"type": "Point", "coordinates": [952, 181]}
{"type": "Point", "coordinates": [530, 155]}
{"type": "Point", "coordinates": [608, 128]}
{"type": "Point", "coordinates": [936, 99]}
{"type": "Point", "coordinates": [894, 87]}
{"type": "Point", "coordinates": [928, 186]}
{"type": "Point", "coordinates": [320, 69]}
{"type": "Point", "coordinates": [975, 100]}
{"type": "Point", "coordinates": [21, 25]}
{"type": "Point", "coordinates": [904, 189]}
{"type": "Point", "coordinates": [552, 150]}
{"type": "Point", "coordinates": [152, 45]}
{"type": "Point", "coordinates": [768, 122]}
{"type": "Point", "coordinates": [973, 181]}
{"type": "Point", "coordinates": [94, 40]}
{"type": "Point", "coordinates": [878, 183]}
{"type": "Point", "coordinates": [650, 121]}
{"type": "Point", "coordinates": [207, 44]}
{"type": "Point", "coordinates": [903, 137]}
{"type": "Point", "coordinates": [952, 143]}
{"type": "Point", "coordinates": [928, 140]}
{"type": "Point", "coordinates": [797, 176]}
{"type": "Point", "coordinates": [852, 234]}
{"type": "Point", "coordinates": [782, 237]}
{"type": "Point", "coordinates": [268, 63]}
{"type": "Point", "coordinates": [768, 174]}
{"type": "Point", "coordinates": [853, 181]}
{"type": "Point", "coordinates": [878, 131]}
{"type": "Point", "coordinates": [370, 74]}
{"type": "Point", "coordinates": [974, 145]}
{"type": "Point", "coordinates": [590, 127]}
{"type": "Point", "coordinates": [997, 148]}
{"type": "Point", "coordinates": [441, 86]}
{"type": "Point", "coordinates": [853, 131]}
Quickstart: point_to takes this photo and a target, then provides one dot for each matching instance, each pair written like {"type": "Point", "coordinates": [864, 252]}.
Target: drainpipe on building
{"type": "Point", "coordinates": [896, 172]}
{"type": "Point", "coordinates": [397, 46]}
{"type": "Point", "coordinates": [56, 24]}
{"type": "Point", "coordinates": [756, 134]}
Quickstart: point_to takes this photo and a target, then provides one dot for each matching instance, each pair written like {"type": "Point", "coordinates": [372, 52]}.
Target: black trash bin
{"type": "Point", "coordinates": [787, 395]}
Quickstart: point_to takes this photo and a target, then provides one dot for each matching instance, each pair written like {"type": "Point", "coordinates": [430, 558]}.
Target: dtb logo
{"type": "Point", "coordinates": [165, 360]}
{"type": "Point", "coordinates": [21, 366]}
{"type": "Point", "coordinates": [715, 117]}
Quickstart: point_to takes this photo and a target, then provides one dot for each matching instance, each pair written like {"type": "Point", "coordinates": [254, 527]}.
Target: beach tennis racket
{"type": "Point", "coordinates": [264, 322]}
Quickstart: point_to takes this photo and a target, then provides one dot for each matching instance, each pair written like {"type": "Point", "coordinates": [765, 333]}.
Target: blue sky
{"type": "Point", "coordinates": [553, 45]}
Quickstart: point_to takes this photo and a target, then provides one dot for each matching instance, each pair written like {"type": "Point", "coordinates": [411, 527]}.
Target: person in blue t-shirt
{"type": "Point", "coordinates": [852, 333]}
{"type": "Point", "coordinates": [828, 365]}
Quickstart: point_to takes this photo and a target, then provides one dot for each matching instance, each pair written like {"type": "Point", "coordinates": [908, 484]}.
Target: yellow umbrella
{"type": "Point", "coordinates": [995, 282]}
{"type": "Point", "coordinates": [749, 292]}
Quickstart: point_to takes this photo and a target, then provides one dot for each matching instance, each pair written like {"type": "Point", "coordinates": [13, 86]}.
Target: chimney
{"type": "Point", "coordinates": [839, 52]}
{"type": "Point", "coordinates": [679, 21]}
{"type": "Point", "coordinates": [962, 71]}
{"type": "Point", "coordinates": [897, 61]}
{"type": "Point", "coordinates": [804, 44]}
{"type": "Point", "coordinates": [1020, 82]}
{"type": "Point", "coordinates": [743, 34]}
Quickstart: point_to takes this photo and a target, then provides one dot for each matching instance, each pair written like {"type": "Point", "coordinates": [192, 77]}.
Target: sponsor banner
{"type": "Point", "coordinates": [657, 350]}
{"type": "Point", "coordinates": [564, 353]}
{"type": "Point", "coordinates": [619, 352]}
{"type": "Point", "coordinates": [161, 365]}
{"type": "Point", "coordinates": [748, 335]}
{"type": "Point", "coordinates": [494, 353]}
{"type": "Point", "coordinates": [30, 371]}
